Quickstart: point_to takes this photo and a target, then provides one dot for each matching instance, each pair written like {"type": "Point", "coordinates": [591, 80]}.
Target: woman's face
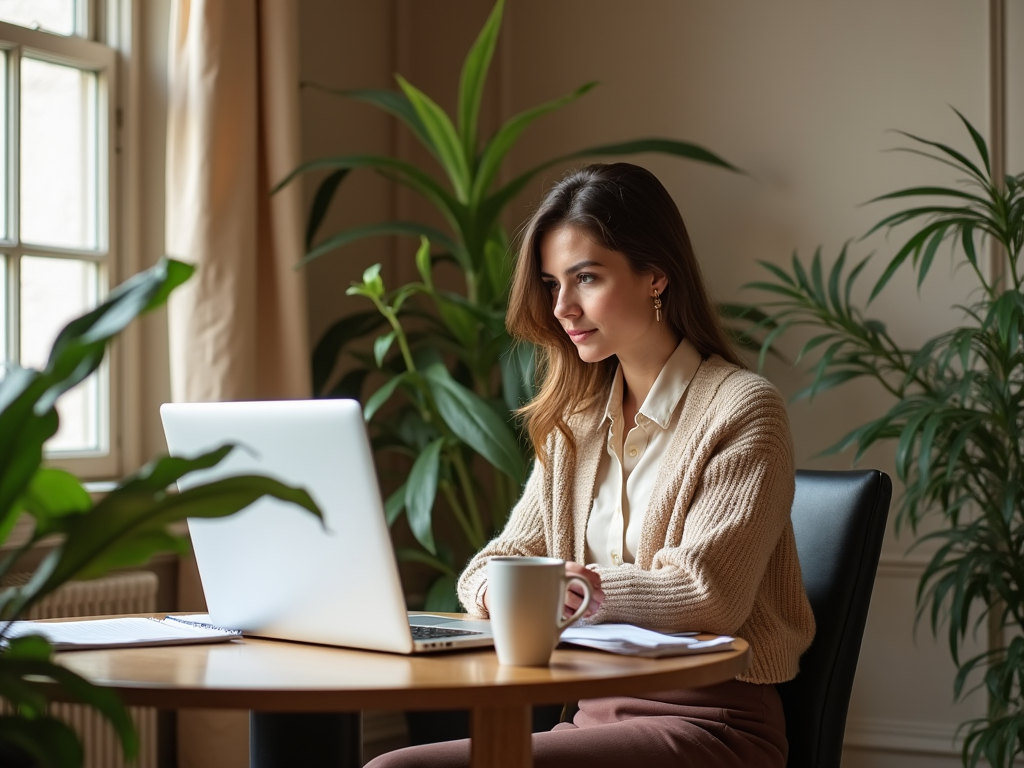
{"type": "Point", "coordinates": [605, 307]}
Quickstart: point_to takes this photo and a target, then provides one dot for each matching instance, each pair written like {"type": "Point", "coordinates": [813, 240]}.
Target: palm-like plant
{"type": "Point", "coordinates": [958, 417]}
{"type": "Point", "coordinates": [459, 371]}
{"type": "Point", "coordinates": [125, 528]}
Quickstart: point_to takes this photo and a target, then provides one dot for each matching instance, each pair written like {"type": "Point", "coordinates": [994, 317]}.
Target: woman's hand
{"type": "Point", "coordinates": [574, 593]}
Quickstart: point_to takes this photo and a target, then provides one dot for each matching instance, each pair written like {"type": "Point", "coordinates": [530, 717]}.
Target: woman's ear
{"type": "Point", "coordinates": [659, 282]}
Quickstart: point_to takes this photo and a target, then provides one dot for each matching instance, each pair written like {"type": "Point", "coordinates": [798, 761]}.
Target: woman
{"type": "Point", "coordinates": [662, 464]}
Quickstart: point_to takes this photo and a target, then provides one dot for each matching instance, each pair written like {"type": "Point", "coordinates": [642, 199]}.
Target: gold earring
{"type": "Point", "coordinates": [657, 306]}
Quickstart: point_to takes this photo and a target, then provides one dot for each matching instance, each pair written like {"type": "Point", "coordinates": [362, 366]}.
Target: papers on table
{"type": "Point", "coordinates": [631, 640]}
{"type": "Point", "coordinates": [124, 632]}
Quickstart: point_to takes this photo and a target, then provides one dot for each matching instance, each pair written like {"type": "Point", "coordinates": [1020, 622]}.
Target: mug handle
{"type": "Point", "coordinates": [563, 623]}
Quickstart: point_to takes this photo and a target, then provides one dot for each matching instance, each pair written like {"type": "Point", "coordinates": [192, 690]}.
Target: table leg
{"type": "Point", "coordinates": [501, 737]}
{"type": "Point", "coordinates": [311, 740]}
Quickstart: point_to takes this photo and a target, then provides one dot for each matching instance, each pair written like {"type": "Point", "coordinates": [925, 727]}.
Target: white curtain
{"type": "Point", "coordinates": [238, 328]}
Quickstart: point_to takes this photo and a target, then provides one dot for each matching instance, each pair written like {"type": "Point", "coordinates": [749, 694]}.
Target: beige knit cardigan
{"type": "Point", "coordinates": [716, 552]}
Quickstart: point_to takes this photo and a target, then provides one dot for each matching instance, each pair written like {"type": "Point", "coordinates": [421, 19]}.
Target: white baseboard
{"type": "Point", "coordinates": [902, 736]}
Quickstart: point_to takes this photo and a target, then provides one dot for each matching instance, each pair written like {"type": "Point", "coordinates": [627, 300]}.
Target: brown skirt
{"type": "Point", "coordinates": [732, 725]}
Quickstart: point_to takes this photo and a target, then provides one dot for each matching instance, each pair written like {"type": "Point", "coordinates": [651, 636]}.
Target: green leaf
{"type": "Point", "coordinates": [335, 339]}
{"type": "Point", "coordinates": [382, 395]}
{"type": "Point", "coordinates": [381, 345]}
{"type": "Point", "coordinates": [908, 438]}
{"type": "Point", "coordinates": [502, 141]}
{"type": "Point", "coordinates": [53, 493]}
{"type": "Point", "coordinates": [403, 294]}
{"type": "Point", "coordinates": [927, 192]}
{"type": "Point", "coordinates": [322, 201]}
{"type": "Point", "coordinates": [127, 527]}
{"type": "Point", "coordinates": [410, 555]}
{"type": "Point", "coordinates": [423, 263]}
{"type": "Point", "coordinates": [473, 78]}
{"type": "Point", "coordinates": [400, 171]}
{"type": "Point", "coordinates": [958, 157]}
{"type": "Point", "coordinates": [394, 504]}
{"type": "Point", "coordinates": [854, 274]}
{"type": "Point", "coordinates": [475, 423]}
{"type": "Point", "coordinates": [826, 382]}
{"type": "Point", "coordinates": [349, 387]}
{"type": "Point", "coordinates": [518, 373]}
{"type": "Point", "coordinates": [47, 741]}
{"type": "Point", "coordinates": [929, 255]}
{"type": "Point", "coordinates": [817, 279]}
{"type": "Point", "coordinates": [460, 321]}
{"type": "Point", "coordinates": [27, 418]}
{"type": "Point", "coordinates": [444, 141]}
{"type": "Point", "coordinates": [834, 278]}
{"type": "Point", "coordinates": [496, 202]}
{"type": "Point", "coordinates": [967, 240]}
{"type": "Point", "coordinates": [895, 263]}
{"type": "Point", "coordinates": [779, 273]}
{"type": "Point", "coordinates": [405, 228]}
{"type": "Point", "coordinates": [25, 668]}
{"type": "Point", "coordinates": [499, 264]}
{"type": "Point", "coordinates": [420, 493]}
{"type": "Point", "coordinates": [390, 101]}
{"type": "Point", "coordinates": [768, 341]}
{"type": "Point", "coordinates": [812, 344]}
{"type": "Point", "coordinates": [372, 280]}
{"type": "Point", "coordinates": [442, 596]}
{"type": "Point", "coordinates": [789, 293]}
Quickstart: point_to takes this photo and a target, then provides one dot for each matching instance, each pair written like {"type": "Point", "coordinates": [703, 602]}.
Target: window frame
{"type": "Point", "coordinates": [99, 54]}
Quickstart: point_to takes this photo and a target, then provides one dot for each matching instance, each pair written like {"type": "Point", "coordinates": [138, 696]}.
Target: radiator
{"type": "Point", "coordinates": [133, 592]}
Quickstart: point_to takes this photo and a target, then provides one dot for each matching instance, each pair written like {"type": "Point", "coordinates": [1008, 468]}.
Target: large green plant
{"type": "Point", "coordinates": [125, 528]}
{"type": "Point", "coordinates": [459, 371]}
{"type": "Point", "coordinates": [957, 419]}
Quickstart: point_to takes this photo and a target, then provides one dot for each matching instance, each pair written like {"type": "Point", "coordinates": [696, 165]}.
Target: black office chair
{"type": "Point", "coordinates": [839, 520]}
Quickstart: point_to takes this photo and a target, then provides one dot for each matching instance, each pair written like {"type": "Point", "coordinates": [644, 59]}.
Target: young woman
{"type": "Point", "coordinates": [664, 474]}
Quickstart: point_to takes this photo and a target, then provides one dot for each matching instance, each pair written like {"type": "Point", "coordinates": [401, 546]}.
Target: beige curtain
{"type": "Point", "coordinates": [238, 327]}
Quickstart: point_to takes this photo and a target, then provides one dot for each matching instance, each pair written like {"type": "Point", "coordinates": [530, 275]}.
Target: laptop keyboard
{"type": "Point", "coordinates": [431, 633]}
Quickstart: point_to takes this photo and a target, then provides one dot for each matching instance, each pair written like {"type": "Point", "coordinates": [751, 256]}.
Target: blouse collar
{"type": "Point", "coordinates": [668, 388]}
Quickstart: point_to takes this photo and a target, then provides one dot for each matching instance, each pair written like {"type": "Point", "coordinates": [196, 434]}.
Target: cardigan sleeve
{"type": "Point", "coordinates": [730, 529]}
{"type": "Point", "coordinates": [523, 535]}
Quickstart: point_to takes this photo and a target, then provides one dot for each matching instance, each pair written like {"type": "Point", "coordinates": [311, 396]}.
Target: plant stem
{"type": "Point", "coordinates": [467, 491]}
{"type": "Point", "coordinates": [403, 342]}
{"type": "Point", "coordinates": [474, 541]}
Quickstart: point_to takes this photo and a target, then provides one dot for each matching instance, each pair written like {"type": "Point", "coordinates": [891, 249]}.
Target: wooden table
{"type": "Point", "coordinates": [286, 684]}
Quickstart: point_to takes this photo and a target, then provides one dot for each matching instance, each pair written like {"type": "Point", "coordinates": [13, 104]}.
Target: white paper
{"type": "Point", "coordinates": [631, 640]}
{"type": "Point", "coordinates": [108, 633]}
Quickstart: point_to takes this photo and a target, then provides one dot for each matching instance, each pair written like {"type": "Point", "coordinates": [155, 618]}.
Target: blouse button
{"type": "Point", "coordinates": [616, 559]}
{"type": "Point", "coordinates": [633, 451]}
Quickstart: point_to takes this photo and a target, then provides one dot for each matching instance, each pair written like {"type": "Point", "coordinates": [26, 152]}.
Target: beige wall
{"type": "Point", "coordinates": [798, 92]}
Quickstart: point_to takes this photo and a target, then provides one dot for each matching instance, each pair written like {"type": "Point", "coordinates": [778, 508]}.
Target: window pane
{"type": "Point", "coordinates": [58, 155]}
{"type": "Point", "coordinates": [52, 15]}
{"type": "Point", "coordinates": [54, 291]}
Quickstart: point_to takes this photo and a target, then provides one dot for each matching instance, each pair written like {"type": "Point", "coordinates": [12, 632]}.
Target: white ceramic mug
{"type": "Point", "coordinates": [525, 596]}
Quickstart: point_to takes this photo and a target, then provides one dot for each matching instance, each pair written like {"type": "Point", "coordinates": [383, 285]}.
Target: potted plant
{"type": "Point", "coordinates": [447, 354]}
{"type": "Point", "coordinates": [957, 417]}
{"type": "Point", "coordinates": [125, 528]}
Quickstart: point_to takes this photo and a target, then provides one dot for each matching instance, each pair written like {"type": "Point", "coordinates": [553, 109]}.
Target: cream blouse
{"type": "Point", "coordinates": [628, 468]}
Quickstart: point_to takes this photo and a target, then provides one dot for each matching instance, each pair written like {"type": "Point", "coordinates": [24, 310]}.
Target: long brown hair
{"type": "Point", "coordinates": [624, 208]}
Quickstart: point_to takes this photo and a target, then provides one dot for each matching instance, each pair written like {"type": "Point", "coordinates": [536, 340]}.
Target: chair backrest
{"type": "Point", "coordinates": [839, 520]}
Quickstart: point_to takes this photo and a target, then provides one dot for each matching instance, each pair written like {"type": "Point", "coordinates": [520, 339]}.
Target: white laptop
{"type": "Point", "coordinates": [273, 570]}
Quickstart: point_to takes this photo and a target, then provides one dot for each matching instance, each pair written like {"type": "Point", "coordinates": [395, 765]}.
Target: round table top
{"type": "Point", "coordinates": [278, 676]}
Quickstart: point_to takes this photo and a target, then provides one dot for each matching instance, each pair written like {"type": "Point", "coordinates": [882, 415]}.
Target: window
{"type": "Point", "coordinates": [57, 198]}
